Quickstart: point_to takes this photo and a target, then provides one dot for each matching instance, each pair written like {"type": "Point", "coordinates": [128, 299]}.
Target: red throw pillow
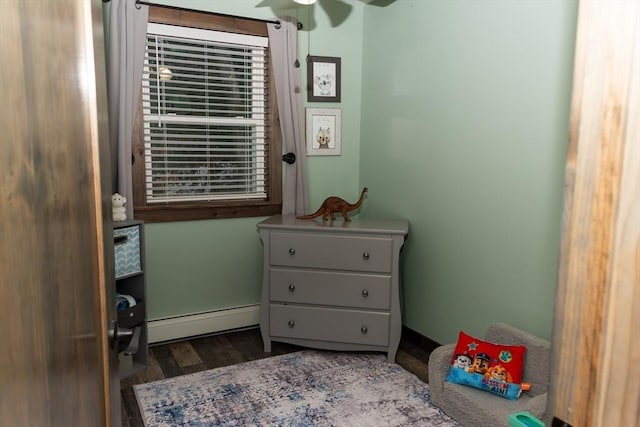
{"type": "Point", "coordinates": [492, 367]}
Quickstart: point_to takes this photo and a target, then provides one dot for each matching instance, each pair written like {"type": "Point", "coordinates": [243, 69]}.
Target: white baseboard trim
{"type": "Point", "coordinates": [202, 323]}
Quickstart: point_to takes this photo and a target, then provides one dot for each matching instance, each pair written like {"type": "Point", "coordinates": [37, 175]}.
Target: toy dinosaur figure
{"type": "Point", "coordinates": [333, 205]}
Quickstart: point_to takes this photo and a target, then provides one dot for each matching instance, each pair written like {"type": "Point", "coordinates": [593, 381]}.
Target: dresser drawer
{"type": "Point", "coordinates": [331, 251]}
{"type": "Point", "coordinates": [126, 242]}
{"type": "Point", "coordinates": [329, 324]}
{"type": "Point", "coordinates": [330, 288]}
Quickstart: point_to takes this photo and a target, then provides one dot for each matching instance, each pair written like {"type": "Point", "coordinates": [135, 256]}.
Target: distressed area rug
{"type": "Point", "coordinates": [306, 388]}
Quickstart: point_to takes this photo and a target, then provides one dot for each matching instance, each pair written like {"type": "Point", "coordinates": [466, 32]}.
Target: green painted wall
{"type": "Point", "coordinates": [205, 265]}
{"type": "Point", "coordinates": [197, 266]}
{"type": "Point", "coordinates": [465, 115]}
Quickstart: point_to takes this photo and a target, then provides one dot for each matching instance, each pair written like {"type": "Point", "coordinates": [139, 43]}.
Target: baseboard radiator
{"type": "Point", "coordinates": [190, 325]}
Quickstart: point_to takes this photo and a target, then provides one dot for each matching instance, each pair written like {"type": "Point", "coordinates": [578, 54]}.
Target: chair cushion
{"type": "Point", "coordinates": [492, 367]}
{"type": "Point", "coordinates": [472, 407]}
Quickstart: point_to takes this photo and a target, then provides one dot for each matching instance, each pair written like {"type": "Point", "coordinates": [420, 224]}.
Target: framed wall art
{"type": "Point", "coordinates": [323, 79]}
{"type": "Point", "coordinates": [324, 131]}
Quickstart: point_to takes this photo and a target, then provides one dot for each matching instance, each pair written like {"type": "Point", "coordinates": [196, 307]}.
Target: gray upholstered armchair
{"type": "Point", "coordinates": [473, 407]}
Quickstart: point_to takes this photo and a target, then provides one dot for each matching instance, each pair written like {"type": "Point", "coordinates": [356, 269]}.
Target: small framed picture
{"type": "Point", "coordinates": [323, 131]}
{"type": "Point", "coordinates": [323, 79]}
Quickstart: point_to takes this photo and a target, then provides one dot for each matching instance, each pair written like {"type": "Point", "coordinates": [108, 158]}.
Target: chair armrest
{"type": "Point", "coordinates": [439, 367]}
{"type": "Point", "coordinates": [537, 406]}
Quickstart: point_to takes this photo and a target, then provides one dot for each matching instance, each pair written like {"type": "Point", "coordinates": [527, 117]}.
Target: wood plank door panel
{"type": "Point", "coordinates": [55, 277]}
{"type": "Point", "coordinates": [595, 344]}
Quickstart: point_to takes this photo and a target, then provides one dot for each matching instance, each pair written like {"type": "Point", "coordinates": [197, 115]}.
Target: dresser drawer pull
{"type": "Point", "coordinates": [292, 251]}
{"type": "Point", "coordinates": [364, 330]}
{"type": "Point", "coordinates": [365, 255]}
{"type": "Point", "coordinates": [291, 323]}
{"type": "Point", "coordinates": [120, 240]}
{"type": "Point", "coordinates": [365, 293]}
{"type": "Point", "coordinates": [292, 287]}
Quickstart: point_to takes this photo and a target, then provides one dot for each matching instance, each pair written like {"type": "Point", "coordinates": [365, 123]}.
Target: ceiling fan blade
{"type": "Point", "coordinates": [337, 10]}
{"type": "Point", "coordinates": [379, 3]}
{"type": "Point", "coordinates": [277, 4]}
{"type": "Point", "coordinates": [288, 7]}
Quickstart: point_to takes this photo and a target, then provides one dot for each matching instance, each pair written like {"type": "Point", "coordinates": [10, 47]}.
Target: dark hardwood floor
{"type": "Point", "coordinates": [214, 351]}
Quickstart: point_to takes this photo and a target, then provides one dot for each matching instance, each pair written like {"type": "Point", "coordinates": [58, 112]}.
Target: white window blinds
{"type": "Point", "coordinates": [205, 98]}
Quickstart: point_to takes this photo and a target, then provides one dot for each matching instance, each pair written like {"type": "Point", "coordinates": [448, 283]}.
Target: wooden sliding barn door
{"type": "Point", "coordinates": [56, 279]}
{"type": "Point", "coordinates": [596, 342]}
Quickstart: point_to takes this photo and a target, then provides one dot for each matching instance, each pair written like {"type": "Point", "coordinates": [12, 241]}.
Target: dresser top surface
{"type": "Point", "coordinates": [356, 225]}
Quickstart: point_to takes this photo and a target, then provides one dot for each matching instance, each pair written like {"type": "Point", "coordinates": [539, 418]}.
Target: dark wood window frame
{"type": "Point", "coordinates": [185, 211]}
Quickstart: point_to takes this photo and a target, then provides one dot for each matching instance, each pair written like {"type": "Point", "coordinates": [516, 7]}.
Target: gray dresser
{"type": "Point", "coordinates": [332, 285]}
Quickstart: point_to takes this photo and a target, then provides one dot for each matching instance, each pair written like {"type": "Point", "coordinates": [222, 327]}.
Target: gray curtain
{"type": "Point", "coordinates": [283, 42]}
{"type": "Point", "coordinates": [127, 34]}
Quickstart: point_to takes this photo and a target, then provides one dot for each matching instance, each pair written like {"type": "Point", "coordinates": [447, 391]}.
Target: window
{"type": "Point", "coordinates": [207, 146]}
